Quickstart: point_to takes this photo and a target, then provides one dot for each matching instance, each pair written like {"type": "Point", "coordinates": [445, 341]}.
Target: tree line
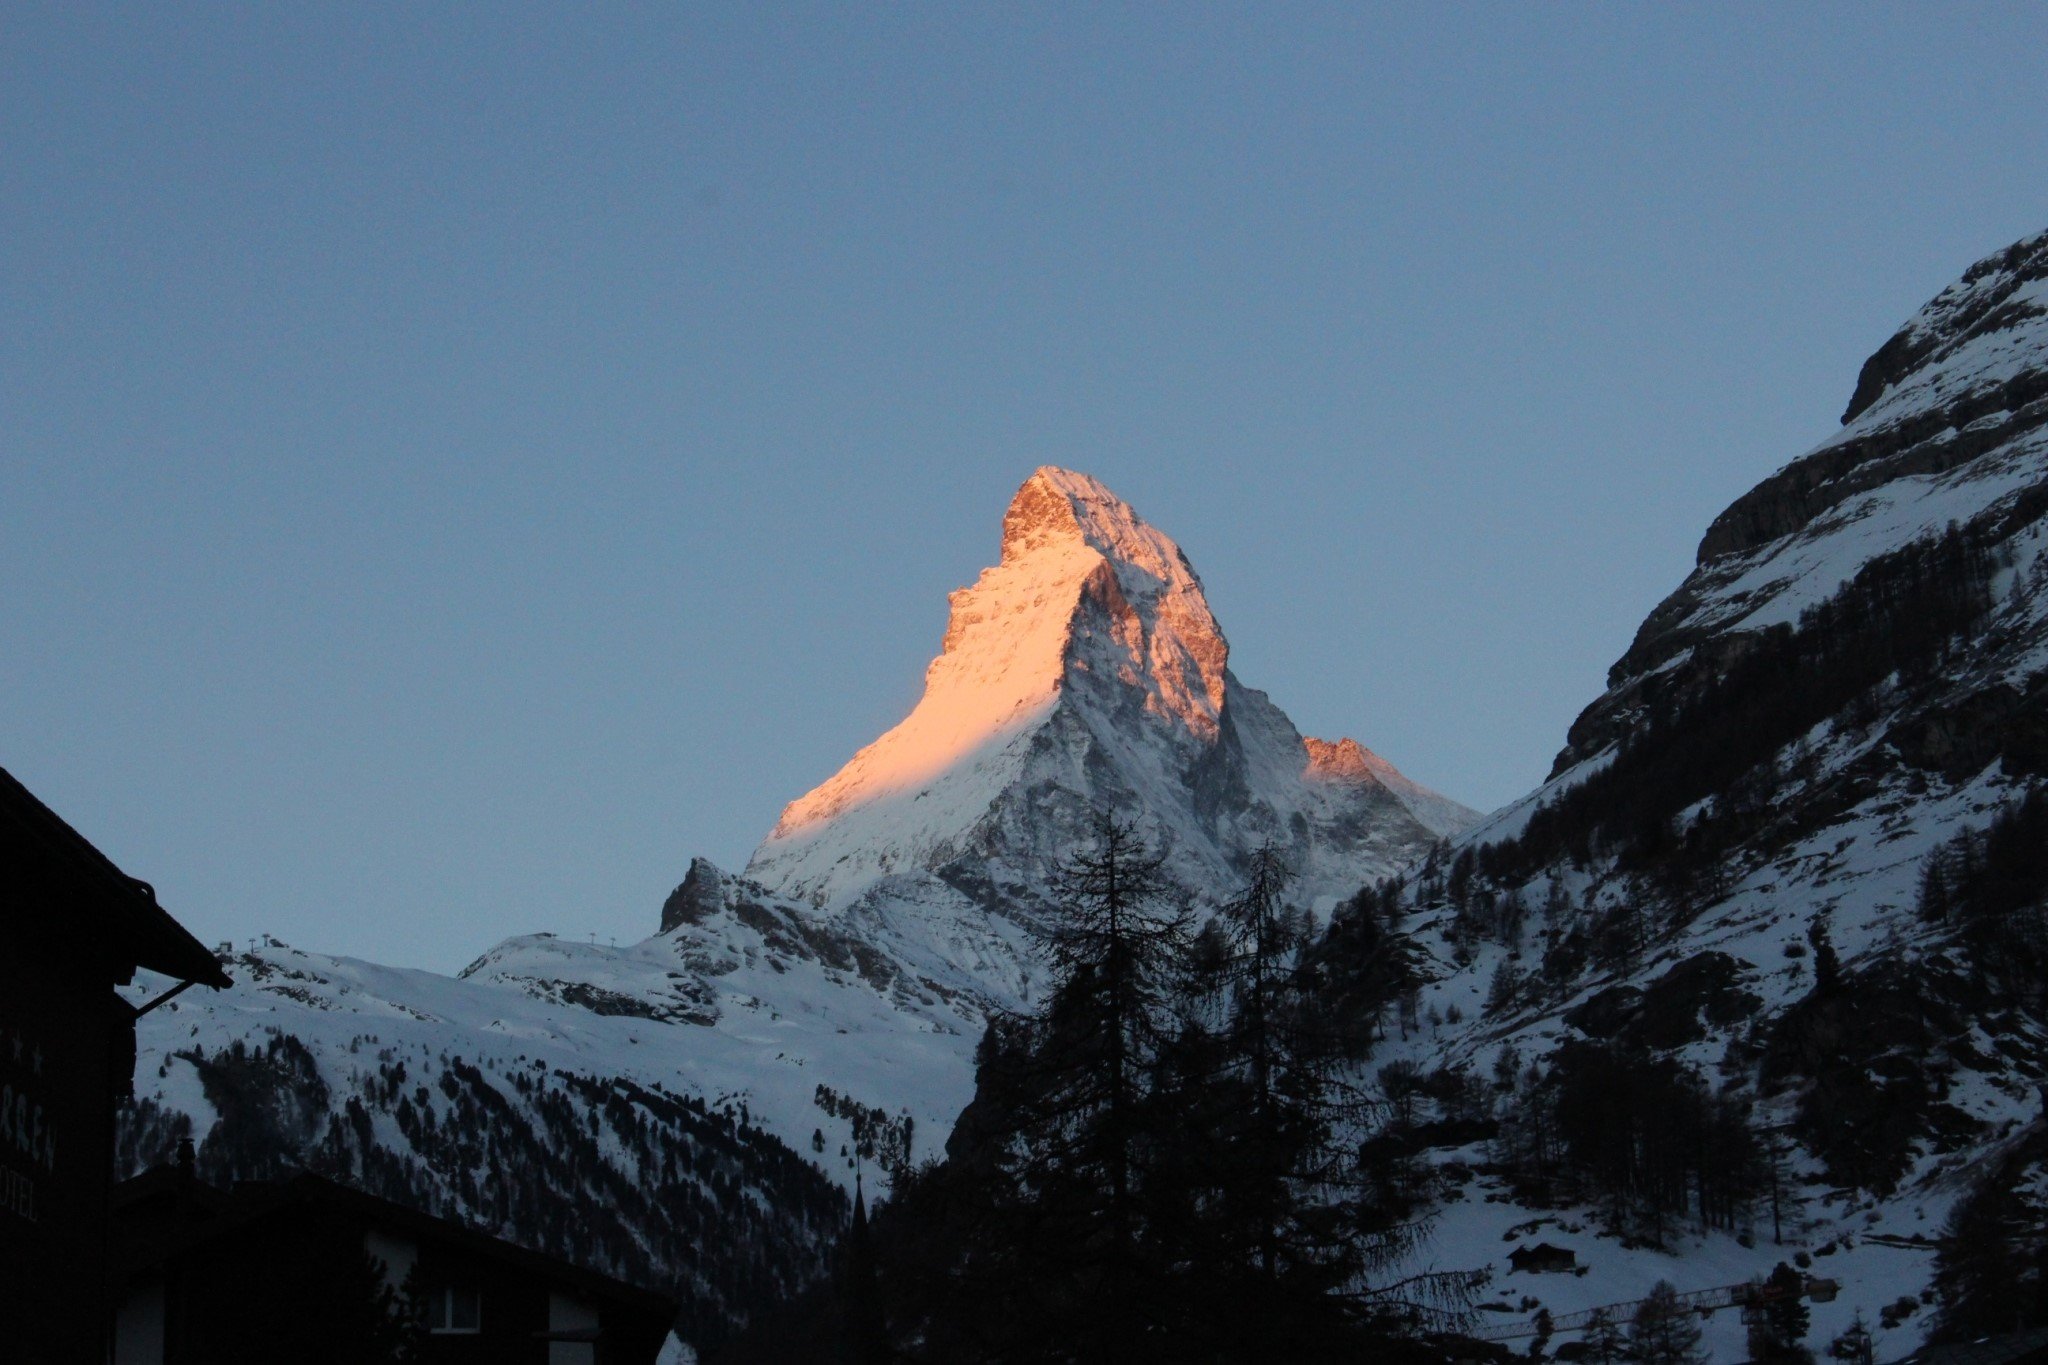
{"type": "Point", "coordinates": [1716, 735]}
{"type": "Point", "coordinates": [1636, 1133]}
{"type": "Point", "coordinates": [1991, 886]}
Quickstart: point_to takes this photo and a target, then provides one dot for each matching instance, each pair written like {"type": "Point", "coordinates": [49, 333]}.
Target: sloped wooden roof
{"type": "Point", "coordinates": [38, 850]}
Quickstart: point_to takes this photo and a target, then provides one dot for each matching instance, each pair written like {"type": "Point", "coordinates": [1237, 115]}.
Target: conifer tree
{"type": "Point", "coordinates": [1934, 894]}
{"type": "Point", "coordinates": [1362, 966]}
{"type": "Point", "coordinates": [1037, 1237]}
{"type": "Point", "coordinates": [1603, 1339]}
{"type": "Point", "coordinates": [1292, 1221]}
{"type": "Point", "coordinates": [1114, 947]}
{"type": "Point", "coordinates": [1255, 1165]}
{"type": "Point", "coordinates": [1276, 1126]}
{"type": "Point", "coordinates": [1164, 1162]}
{"type": "Point", "coordinates": [864, 1335]}
{"type": "Point", "coordinates": [1779, 1334]}
{"type": "Point", "coordinates": [1854, 1346]}
{"type": "Point", "coordinates": [1664, 1332]}
{"type": "Point", "coordinates": [1827, 965]}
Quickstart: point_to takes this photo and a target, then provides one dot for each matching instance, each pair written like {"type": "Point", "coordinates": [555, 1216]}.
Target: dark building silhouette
{"type": "Point", "coordinates": [72, 927]}
{"type": "Point", "coordinates": [1543, 1259]}
{"type": "Point", "coordinates": [314, 1272]}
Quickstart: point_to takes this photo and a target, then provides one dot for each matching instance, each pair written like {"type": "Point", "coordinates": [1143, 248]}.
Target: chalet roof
{"type": "Point", "coordinates": [1543, 1251]}
{"type": "Point", "coordinates": [38, 847]}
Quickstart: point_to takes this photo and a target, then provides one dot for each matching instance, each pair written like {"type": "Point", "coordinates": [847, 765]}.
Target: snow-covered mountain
{"type": "Point", "coordinates": [1762, 860]}
{"type": "Point", "coordinates": [826, 1004]}
{"type": "Point", "coordinates": [1085, 670]}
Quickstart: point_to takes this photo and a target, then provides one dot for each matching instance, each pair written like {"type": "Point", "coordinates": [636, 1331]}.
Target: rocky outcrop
{"type": "Point", "coordinates": [698, 897]}
{"type": "Point", "coordinates": [1941, 413]}
{"type": "Point", "coordinates": [1924, 402]}
{"type": "Point", "coordinates": [1932, 441]}
{"type": "Point", "coordinates": [1982, 301]}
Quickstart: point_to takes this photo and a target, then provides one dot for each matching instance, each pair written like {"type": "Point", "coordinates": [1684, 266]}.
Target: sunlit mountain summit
{"type": "Point", "coordinates": [1085, 670]}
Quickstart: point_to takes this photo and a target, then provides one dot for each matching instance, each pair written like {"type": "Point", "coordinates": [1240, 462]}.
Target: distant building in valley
{"type": "Point", "coordinates": [1543, 1259]}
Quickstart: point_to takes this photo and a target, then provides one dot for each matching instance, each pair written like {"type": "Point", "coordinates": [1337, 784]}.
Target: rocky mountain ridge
{"type": "Point", "coordinates": [1959, 387]}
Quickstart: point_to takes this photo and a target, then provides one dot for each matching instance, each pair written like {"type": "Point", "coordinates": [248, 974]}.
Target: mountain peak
{"type": "Point", "coordinates": [1059, 507]}
{"type": "Point", "coordinates": [1042, 512]}
{"type": "Point", "coordinates": [1084, 587]}
{"type": "Point", "coordinates": [1083, 669]}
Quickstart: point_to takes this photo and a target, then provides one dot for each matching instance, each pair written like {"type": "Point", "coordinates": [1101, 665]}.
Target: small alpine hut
{"type": "Point", "coordinates": [1543, 1259]}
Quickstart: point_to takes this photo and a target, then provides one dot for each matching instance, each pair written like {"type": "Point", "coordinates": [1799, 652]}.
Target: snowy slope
{"type": "Point", "coordinates": [636, 1012]}
{"type": "Point", "coordinates": [1949, 423]}
{"type": "Point", "coordinates": [1947, 437]}
{"type": "Point", "coordinates": [745, 1012]}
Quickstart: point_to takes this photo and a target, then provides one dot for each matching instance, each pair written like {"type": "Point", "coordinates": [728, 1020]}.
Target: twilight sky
{"type": "Point", "coordinates": [458, 462]}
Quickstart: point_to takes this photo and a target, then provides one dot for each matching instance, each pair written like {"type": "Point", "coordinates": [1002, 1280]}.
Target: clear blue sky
{"type": "Point", "coordinates": [458, 462]}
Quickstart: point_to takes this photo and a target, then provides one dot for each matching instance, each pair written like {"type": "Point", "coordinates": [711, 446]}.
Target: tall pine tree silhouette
{"type": "Point", "coordinates": [1115, 946]}
{"type": "Point", "coordinates": [864, 1333]}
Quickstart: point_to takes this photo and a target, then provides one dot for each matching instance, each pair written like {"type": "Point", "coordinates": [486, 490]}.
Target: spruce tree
{"type": "Point", "coordinates": [1934, 891]}
{"type": "Point", "coordinates": [1854, 1346]}
{"type": "Point", "coordinates": [1827, 965]}
{"type": "Point", "coordinates": [1290, 1218]}
{"type": "Point", "coordinates": [1362, 966]}
{"type": "Point", "coordinates": [1037, 1238]}
{"type": "Point", "coordinates": [1252, 1168]}
{"type": "Point", "coordinates": [1275, 1126]}
{"type": "Point", "coordinates": [1164, 1161]}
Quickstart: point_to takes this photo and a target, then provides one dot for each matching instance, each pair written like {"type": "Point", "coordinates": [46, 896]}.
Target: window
{"type": "Point", "coordinates": [455, 1308]}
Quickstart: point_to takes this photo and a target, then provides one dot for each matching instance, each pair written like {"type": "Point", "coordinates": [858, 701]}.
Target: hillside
{"type": "Point", "coordinates": [1783, 893]}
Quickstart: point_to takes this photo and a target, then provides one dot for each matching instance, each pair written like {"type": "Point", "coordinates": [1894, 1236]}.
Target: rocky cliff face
{"type": "Point", "coordinates": [1086, 670]}
{"type": "Point", "coordinates": [1943, 418]}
